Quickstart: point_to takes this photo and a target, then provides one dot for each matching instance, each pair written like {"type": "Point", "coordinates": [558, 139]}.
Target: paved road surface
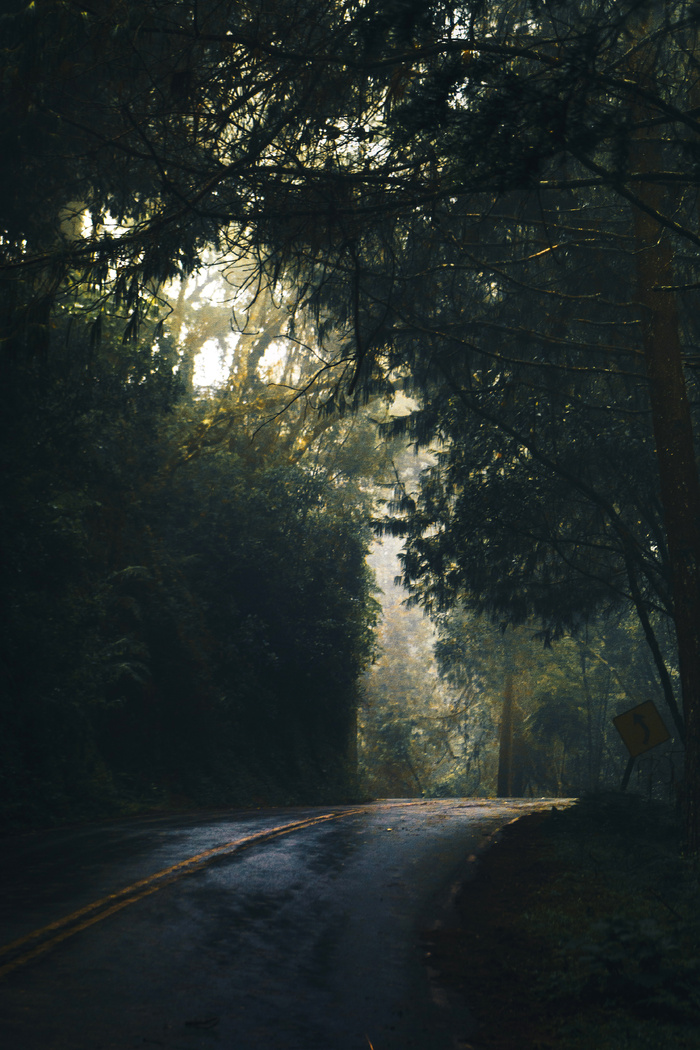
{"type": "Point", "coordinates": [295, 929]}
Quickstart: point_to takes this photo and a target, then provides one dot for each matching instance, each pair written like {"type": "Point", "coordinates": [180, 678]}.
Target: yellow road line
{"type": "Point", "coordinates": [56, 932]}
{"type": "Point", "coordinates": [69, 925]}
{"type": "Point", "coordinates": [48, 945]}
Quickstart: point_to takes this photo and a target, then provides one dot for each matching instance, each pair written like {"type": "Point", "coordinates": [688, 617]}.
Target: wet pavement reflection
{"type": "Point", "coordinates": [306, 941]}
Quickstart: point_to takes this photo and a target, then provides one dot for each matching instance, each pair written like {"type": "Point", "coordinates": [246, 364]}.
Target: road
{"type": "Point", "coordinates": [294, 929]}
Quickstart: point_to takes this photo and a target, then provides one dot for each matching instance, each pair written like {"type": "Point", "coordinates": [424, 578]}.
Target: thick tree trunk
{"type": "Point", "coordinates": [672, 421]}
{"type": "Point", "coordinates": [504, 787]}
{"type": "Point", "coordinates": [591, 763]}
{"type": "Point", "coordinates": [680, 485]}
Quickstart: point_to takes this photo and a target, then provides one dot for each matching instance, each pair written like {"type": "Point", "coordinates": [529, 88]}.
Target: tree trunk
{"type": "Point", "coordinates": [505, 746]}
{"type": "Point", "coordinates": [672, 422]}
{"type": "Point", "coordinates": [680, 486]}
{"type": "Point", "coordinates": [592, 785]}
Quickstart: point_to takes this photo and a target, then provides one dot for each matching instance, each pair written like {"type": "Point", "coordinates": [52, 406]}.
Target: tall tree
{"type": "Point", "coordinates": [559, 109]}
{"type": "Point", "coordinates": [186, 608]}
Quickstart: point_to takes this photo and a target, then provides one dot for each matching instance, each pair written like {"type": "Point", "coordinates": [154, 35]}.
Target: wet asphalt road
{"type": "Point", "coordinates": [173, 932]}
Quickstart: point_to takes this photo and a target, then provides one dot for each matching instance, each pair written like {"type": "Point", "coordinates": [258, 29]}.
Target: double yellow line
{"type": "Point", "coordinates": [36, 943]}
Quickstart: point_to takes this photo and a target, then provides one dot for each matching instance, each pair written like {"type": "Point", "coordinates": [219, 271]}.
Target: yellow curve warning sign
{"type": "Point", "coordinates": [641, 728]}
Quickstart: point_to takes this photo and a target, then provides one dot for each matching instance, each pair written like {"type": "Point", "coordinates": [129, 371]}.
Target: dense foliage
{"type": "Point", "coordinates": [184, 615]}
{"type": "Point", "coordinates": [493, 203]}
{"type": "Point", "coordinates": [544, 499]}
{"type": "Point", "coordinates": [455, 705]}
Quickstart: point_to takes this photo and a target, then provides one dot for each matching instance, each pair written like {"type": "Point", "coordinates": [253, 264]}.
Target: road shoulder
{"type": "Point", "coordinates": [580, 930]}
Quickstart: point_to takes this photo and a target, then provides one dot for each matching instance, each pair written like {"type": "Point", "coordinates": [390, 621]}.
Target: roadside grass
{"type": "Point", "coordinates": [581, 931]}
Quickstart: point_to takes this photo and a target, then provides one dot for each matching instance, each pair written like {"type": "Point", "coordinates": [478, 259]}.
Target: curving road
{"type": "Point", "coordinates": [295, 929]}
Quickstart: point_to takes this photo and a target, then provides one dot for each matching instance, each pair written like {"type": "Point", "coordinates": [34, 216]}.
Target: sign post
{"type": "Point", "coordinates": [641, 729]}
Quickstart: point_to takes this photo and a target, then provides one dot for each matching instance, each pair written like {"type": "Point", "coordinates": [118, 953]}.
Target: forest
{"type": "Point", "coordinates": [465, 233]}
{"type": "Point", "coordinates": [185, 583]}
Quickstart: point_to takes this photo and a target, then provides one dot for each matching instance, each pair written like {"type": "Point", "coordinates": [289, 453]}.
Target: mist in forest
{"type": "Point", "coordinates": [463, 707]}
{"type": "Point", "coordinates": [253, 256]}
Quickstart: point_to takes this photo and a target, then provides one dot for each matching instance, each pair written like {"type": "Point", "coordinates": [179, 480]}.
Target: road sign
{"type": "Point", "coordinates": [641, 728]}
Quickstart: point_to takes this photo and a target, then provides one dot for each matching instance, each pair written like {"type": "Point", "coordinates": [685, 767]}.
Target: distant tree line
{"type": "Point", "coordinates": [457, 705]}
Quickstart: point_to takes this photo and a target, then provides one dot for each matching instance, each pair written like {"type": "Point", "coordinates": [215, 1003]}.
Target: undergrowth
{"type": "Point", "coordinates": [619, 926]}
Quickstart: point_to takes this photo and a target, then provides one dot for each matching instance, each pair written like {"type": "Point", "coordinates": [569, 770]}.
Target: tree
{"type": "Point", "coordinates": [151, 135]}
{"type": "Point", "coordinates": [186, 606]}
{"type": "Point", "coordinates": [601, 97]}
{"type": "Point", "coordinates": [562, 698]}
{"type": "Point", "coordinates": [410, 724]}
{"type": "Point", "coordinates": [327, 135]}
{"type": "Point", "coordinates": [553, 108]}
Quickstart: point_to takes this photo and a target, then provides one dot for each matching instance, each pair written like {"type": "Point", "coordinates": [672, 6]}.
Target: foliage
{"type": "Point", "coordinates": [628, 962]}
{"type": "Point", "coordinates": [555, 883]}
{"type": "Point", "coordinates": [409, 723]}
{"type": "Point", "coordinates": [187, 608]}
{"type": "Point", "coordinates": [151, 134]}
{"type": "Point", "coordinates": [432, 703]}
{"type": "Point", "coordinates": [494, 204]}
{"type": "Point", "coordinates": [543, 500]}
{"type": "Point", "coordinates": [565, 696]}
{"type": "Point", "coordinates": [629, 943]}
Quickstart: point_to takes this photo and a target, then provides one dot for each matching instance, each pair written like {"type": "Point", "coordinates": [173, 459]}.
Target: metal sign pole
{"type": "Point", "coordinates": [628, 772]}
